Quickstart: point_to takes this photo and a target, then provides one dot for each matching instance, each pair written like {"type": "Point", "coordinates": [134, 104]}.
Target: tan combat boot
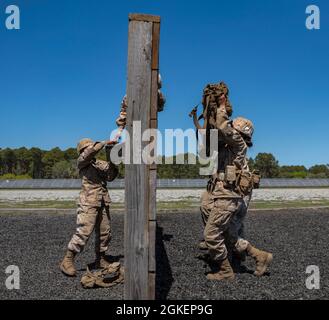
{"type": "Point", "coordinates": [67, 265]}
{"type": "Point", "coordinates": [225, 272]}
{"type": "Point", "coordinates": [263, 260]}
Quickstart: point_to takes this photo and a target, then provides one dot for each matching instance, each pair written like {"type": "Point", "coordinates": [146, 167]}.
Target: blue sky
{"type": "Point", "coordinates": [63, 74]}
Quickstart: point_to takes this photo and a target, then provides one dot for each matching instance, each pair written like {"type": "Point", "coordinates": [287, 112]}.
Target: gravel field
{"type": "Point", "coordinates": [164, 195]}
{"type": "Point", "coordinates": [298, 238]}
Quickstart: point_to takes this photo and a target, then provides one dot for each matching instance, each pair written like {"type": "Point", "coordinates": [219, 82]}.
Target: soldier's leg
{"type": "Point", "coordinates": [103, 236]}
{"type": "Point", "coordinates": [207, 204]}
{"type": "Point", "coordinates": [232, 234]}
{"type": "Point", "coordinates": [238, 223]}
{"type": "Point", "coordinates": [86, 221]}
{"type": "Point", "coordinates": [103, 231]}
{"type": "Point", "coordinates": [247, 200]}
{"type": "Point", "coordinates": [243, 247]}
{"type": "Point", "coordinates": [236, 231]}
{"type": "Point", "coordinates": [217, 225]}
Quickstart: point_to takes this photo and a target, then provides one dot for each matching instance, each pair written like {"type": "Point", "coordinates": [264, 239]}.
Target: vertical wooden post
{"type": "Point", "coordinates": [140, 179]}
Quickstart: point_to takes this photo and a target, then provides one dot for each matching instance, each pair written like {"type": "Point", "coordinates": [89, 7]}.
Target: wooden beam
{"type": "Point", "coordinates": [154, 95]}
{"type": "Point", "coordinates": [140, 179]}
{"type": "Point", "coordinates": [155, 46]}
{"type": "Point", "coordinates": [144, 17]}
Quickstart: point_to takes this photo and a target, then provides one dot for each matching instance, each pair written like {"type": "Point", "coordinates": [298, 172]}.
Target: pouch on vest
{"type": "Point", "coordinates": [230, 174]}
{"type": "Point", "coordinates": [245, 182]}
{"type": "Point", "coordinates": [256, 179]}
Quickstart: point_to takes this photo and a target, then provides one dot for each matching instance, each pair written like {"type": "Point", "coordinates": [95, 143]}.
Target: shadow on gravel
{"type": "Point", "coordinates": [238, 268]}
{"type": "Point", "coordinates": [164, 277]}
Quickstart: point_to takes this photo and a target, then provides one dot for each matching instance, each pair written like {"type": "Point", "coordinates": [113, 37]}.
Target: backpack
{"type": "Point", "coordinates": [106, 278]}
{"type": "Point", "coordinates": [210, 102]}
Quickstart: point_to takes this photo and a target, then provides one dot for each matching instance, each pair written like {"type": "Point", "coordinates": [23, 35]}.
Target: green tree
{"type": "Point", "coordinates": [293, 172]}
{"type": "Point", "coordinates": [251, 164]}
{"type": "Point", "coordinates": [2, 169]}
{"type": "Point", "coordinates": [70, 154]}
{"type": "Point", "coordinates": [9, 161]}
{"type": "Point", "coordinates": [23, 161]}
{"type": "Point", "coordinates": [267, 165]}
{"type": "Point", "coordinates": [319, 171]}
{"type": "Point", "coordinates": [11, 176]}
{"type": "Point", "coordinates": [49, 159]}
{"type": "Point", "coordinates": [64, 170]}
{"type": "Point", "coordinates": [36, 166]}
{"type": "Point", "coordinates": [173, 170]}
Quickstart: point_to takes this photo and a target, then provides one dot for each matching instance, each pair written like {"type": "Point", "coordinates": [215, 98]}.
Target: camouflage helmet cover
{"type": "Point", "coordinates": [244, 126]}
{"type": "Point", "coordinates": [83, 144]}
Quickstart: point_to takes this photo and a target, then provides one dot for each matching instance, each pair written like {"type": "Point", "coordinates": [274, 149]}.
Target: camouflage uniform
{"type": "Point", "coordinates": [223, 207]}
{"type": "Point", "coordinates": [94, 201]}
{"type": "Point", "coordinates": [236, 224]}
{"type": "Point", "coordinates": [122, 120]}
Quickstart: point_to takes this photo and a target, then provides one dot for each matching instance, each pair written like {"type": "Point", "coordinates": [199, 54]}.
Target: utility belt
{"type": "Point", "coordinates": [242, 181]}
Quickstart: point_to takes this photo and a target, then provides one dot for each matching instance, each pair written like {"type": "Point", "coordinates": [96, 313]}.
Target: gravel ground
{"type": "Point", "coordinates": [164, 195]}
{"type": "Point", "coordinates": [298, 239]}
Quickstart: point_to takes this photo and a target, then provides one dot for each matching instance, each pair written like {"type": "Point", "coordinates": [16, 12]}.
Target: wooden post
{"type": "Point", "coordinates": [140, 179]}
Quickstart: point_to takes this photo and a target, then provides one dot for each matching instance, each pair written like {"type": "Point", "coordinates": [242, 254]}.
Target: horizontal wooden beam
{"type": "Point", "coordinates": [144, 17]}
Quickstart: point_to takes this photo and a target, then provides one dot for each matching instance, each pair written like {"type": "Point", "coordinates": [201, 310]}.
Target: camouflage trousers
{"type": "Point", "coordinates": [224, 225]}
{"type": "Point", "coordinates": [88, 220]}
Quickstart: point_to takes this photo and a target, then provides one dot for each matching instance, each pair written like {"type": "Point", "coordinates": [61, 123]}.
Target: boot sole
{"type": "Point", "coordinates": [232, 278]}
{"type": "Point", "coordinates": [266, 265]}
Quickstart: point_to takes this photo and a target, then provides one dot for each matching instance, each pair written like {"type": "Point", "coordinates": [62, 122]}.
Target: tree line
{"type": "Point", "coordinates": [35, 163]}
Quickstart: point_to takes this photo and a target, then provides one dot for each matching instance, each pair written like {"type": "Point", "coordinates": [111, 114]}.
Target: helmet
{"type": "Point", "coordinates": [83, 144]}
{"type": "Point", "coordinates": [244, 126]}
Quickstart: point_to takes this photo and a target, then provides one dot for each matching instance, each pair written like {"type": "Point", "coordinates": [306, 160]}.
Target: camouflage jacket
{"type": "Point", "coordinates": [232, 151]}
{"type": "Point", "coordinates": [95, 174]}
{"type": "Point", "coordinates": [235, 151]}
